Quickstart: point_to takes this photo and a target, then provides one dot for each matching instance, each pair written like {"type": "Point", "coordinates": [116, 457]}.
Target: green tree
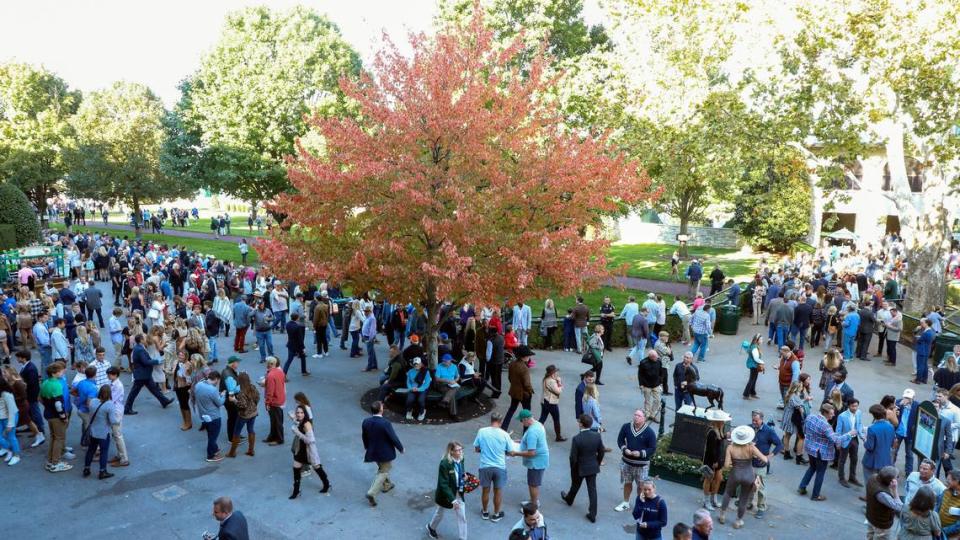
{"type": "Point", "coordinates": [240, 114]}
{"type": "Point", "coordinates": [116, 157]}
{"type": "Point", "coordinates": [15, 210]}
{"type": "Point", "coordinates": [773, 202]}
{"type": "Point", "coordinates": [35, 108]}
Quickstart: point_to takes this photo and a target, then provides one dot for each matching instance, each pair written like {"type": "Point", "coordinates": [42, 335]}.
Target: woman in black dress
{"type": "Point", "coordinates": [713, 458]}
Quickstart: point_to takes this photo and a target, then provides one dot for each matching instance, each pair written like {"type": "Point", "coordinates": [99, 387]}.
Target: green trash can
{"type": "Point", "coordinates": [729, 320]}
{"type": "Point", "coordinates": [942, 345]}
{"type": "Point", "coordinates": [338, 316]}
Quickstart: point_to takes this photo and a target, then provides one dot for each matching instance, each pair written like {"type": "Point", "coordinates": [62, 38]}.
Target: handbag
{"type": "Point", "coordinates": [588, 357]}
{"type": "Point", "coordinates": [85, 437]}
{"type": "Point", "coordinates": [470, 483]}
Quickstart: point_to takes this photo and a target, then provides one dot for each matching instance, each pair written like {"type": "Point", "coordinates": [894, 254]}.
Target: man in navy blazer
{"type": "Point", "coordinates": [381, 444]}
{"type": "Point", "coordinates": [233, 526]}
{"type": "Point", "coordinates": [143, 376]}
{"type": "Point", "coordinates": [879, 444]}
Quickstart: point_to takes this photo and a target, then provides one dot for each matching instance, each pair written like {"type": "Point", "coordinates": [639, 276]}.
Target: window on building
{"type": "Point", "coordinates": [850, 175]}
{"type": "Point", "coordinates": [914, 176]}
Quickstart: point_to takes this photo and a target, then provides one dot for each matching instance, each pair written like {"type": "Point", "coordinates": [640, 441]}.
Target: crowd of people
{"type": "Point", "coordinates": [171, 305]}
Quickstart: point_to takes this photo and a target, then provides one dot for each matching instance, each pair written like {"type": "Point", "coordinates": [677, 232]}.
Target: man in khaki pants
{"type": "Point", "coordinates": [117, 396]}
{"type": "Point", "coordinates": [381, 444]}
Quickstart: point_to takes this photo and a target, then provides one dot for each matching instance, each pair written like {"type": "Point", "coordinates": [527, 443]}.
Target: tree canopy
{"type": "Point", "coordinates": [35, 108]}
{"type": "Point", "coordinates": [240, 113]}
{"type": "Point", "coordinates": [116, 155]}
{"type": "Point", "coordinates": [455, 181]}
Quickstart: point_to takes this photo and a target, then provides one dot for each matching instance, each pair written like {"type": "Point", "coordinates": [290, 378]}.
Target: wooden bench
{"type": "Point", "coordinates": [433, 397]}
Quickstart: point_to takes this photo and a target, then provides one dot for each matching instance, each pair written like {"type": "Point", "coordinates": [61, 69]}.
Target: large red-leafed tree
{"type": "Point", "coordinates": [458, 180]}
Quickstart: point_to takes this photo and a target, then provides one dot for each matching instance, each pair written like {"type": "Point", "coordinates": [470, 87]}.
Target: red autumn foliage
{"type": "Point", "coordinates": [458, 181]}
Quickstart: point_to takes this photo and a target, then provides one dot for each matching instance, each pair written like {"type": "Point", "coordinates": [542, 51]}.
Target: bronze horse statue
{"type": "Point", "coordinates": [694, 387]}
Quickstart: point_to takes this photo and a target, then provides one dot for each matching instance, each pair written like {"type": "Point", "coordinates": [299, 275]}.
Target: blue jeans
{"type": "Point", "coordinates": [46, 358]}
{"type": "Point", "coordinates": [354, 342]}
{"type": "Point", "coordinates": [772, 331]}
{"type": "Point", "coordinates": [104, 446]}
{"type": "Point", "coordinates": [212, 342]}
{"type": "Point", "coordinates": [637, 351]}
{"type": "Point", "coordinates": [923, 368]}
{"type": "Point", "coordinates": [802, 331]}
{"type": "Point", "coordinates": [213, 431]}
{"type": "Point", "coordinates": [264, 342]}
{"type": "Point", "coordinates": [699, 346]}
{"type": "Point", "coordinates": [291, 354]}
{"type": "Point", "coordinates": [399, 338]}
{"type": "Point", "coordinates": [819, 467]}
{"type": "Point", "coordinates": [849, 345]}
{"type": "Point", "coordinates": [241, 423]}
{"type": "Point", "coordinates": [371, 355]}
{"type": "Point", "coordinates": [907, 446]}
{"type": "Point", "coordinates": [782, 332]}
{"type": "Point", "coordinates": [9, 441]}
{"type": "Point", "coordinates": [420, 397]}
{"type": "Point", "coordinates": [280, 319]}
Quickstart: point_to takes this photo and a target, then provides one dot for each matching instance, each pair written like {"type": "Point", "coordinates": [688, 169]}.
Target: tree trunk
{"type": "Point", "coordinates": [684, 224]}
{"type": "Point", "coordinates": [924, 226]}
{"type": "Point", "coordinates": [137, 219]}
{"type": "Point", "coordinates": [433, 324]}
{"type": "Point", "coordinates": [41, 201]}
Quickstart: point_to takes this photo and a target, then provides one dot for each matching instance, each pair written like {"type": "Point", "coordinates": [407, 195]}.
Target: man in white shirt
{"type": "Point", "coordinates": [118, 397]}
{"type": "Point", "coordinates": [680, 309]}
{"type": "Point", "coordinates": [629, 311]}
{"type": "Point", "coordinates": [522, 319]}
{"type": "Point", "coordinates": [278, 304]}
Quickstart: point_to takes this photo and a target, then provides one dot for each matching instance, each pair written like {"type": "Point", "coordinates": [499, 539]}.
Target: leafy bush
{"type": "Point", "coordinates": [678, 463]}
{"type": "Point", "coordinates": [15, 209]}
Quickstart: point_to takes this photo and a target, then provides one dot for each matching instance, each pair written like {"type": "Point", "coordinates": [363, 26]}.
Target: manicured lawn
{"type": "Point", "coordinates": [594, 299]}
{"type": "Point", "coordinates": [238, 225]}
{"type": "Point", "coordinates": [652, 261]}
{"type": "Point", "coordinates": [220, 249]}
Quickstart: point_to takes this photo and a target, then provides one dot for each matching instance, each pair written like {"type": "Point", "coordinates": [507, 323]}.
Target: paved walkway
{"type": "Point", "coordinates": [168, 489]}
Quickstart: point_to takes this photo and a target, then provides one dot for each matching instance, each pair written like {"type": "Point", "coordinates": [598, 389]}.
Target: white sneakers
{"type": "Point", "coordinates": [423, 414]}
{"type": "Point", "coordinates": [622, 507]}
{"type": "Point", "coordinates": [14, 460]}
{"type": "Point", "coordinates": [409, 415]}
{"type": "Point", "coordinates": [318, 356]}
{"type": "Point", "coordinates": [38, 440]}
{"type": "Point", "coordinates": [5, 454]}
{"type": "Point", "coordinates": [60, 467]}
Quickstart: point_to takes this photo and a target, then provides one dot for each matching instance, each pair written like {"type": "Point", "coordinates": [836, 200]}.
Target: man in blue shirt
{"type": "Point", "coordinates": [769, 444]}
{"type": "Point", "coordinates": [694, 275]}
{"type": "Point", "coordinates": [493, 444]}
{"type": "Point", "coordinates": [851, 323]}
{"type": "Point", "coordinates": [850, 419]}
{"type": "Point", "coordinates": [535, 453]}
{"type": "Point", "coordinates": [446, 380]}
{"type": "Point", "coordinates": [42, 336]}
{"type": "Point", "coordinates": [906, 428]}
{"type": "Point", "coordinates": [86, 390]}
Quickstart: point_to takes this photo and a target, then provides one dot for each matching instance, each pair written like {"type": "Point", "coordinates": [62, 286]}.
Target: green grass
{"type": "Point", "coordinates": [652, 261]}
{"type": "Point", "coordinates": [238, 225]}
{"type": "Point", "coordinates": [220, 249]}
{"type": "Point", "coordinates": [594, 299]}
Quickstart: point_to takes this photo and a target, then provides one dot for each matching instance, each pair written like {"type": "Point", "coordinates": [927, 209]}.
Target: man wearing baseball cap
{"type": "Point", "coordinates": [906, 428]}
{"type": "Point", "coordinates": [447, 382]}
{"type": "Point", "coordinates": [535, 453]}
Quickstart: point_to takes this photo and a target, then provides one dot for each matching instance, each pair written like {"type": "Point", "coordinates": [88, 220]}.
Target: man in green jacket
{"type": "Point", "coordinates": [451, 480]}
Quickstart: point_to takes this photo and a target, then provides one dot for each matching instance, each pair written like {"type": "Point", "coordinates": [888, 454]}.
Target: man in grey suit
{"type": "Point", "coordinates": [94, 302]}
{"type": "Point", "coordinates": [586, 453]}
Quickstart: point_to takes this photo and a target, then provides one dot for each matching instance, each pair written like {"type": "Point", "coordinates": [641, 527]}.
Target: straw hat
{"type": "Point", "coordinates": [742, 435]}
{"type": "Point", "coordinates": [717, 415]}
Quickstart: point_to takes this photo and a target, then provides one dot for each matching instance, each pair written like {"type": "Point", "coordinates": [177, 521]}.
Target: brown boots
{"type": "Point", "coordinates": [234, 443]}
{"type": "Point", "coordinates": [251, 441]}
{"type": "Point", "coordinates": [187, 420]}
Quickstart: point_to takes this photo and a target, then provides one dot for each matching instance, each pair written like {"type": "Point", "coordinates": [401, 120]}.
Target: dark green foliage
{"type": "Point", "coordinates": [773, 208]}
{"type": "Point", "coordinates": [15, 209]}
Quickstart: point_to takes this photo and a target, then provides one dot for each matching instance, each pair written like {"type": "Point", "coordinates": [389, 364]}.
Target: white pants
{"type": "Point", "coordinates": [459, 510]}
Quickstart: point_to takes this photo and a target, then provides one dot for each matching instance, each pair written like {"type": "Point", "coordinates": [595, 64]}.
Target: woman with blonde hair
{"type": "Point", "coordinates": [182, 386]}
{"type": "Point", "coordinates": [548, 323]}
{"type": "Point", "coordinates": [794, 415]}
{"type": "Point", "coordinates": [155, 345]}
{"type": "Point", "coordinates": [5, 331]}
{"type": "Point", "coordinates": [831, 364]}
{"type": "Point", "coordinates": [591, 405]}
{"type": "Point", "coordinates": [451, 479]}
{"type": "Point", "coordinates": [83, 346]}
{"type": "Point", "coordinates": [948, 373]}
{"type": "Point", "coordinates": [94, 332]}
{"type": "Point", "coordinates": [25, 325]}
{"type": "Point", "coordinates": [356, 323]}
{"type": "Point", "coordinates": [832, 327]}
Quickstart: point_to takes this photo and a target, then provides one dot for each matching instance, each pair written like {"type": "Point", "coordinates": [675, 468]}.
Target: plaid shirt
{"type": "Point", "coordinates": [821, 440]}
{"type": "Point", "coordinates": [36, 308]}
{"type": "Point", "coordinates": [700, 323]}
